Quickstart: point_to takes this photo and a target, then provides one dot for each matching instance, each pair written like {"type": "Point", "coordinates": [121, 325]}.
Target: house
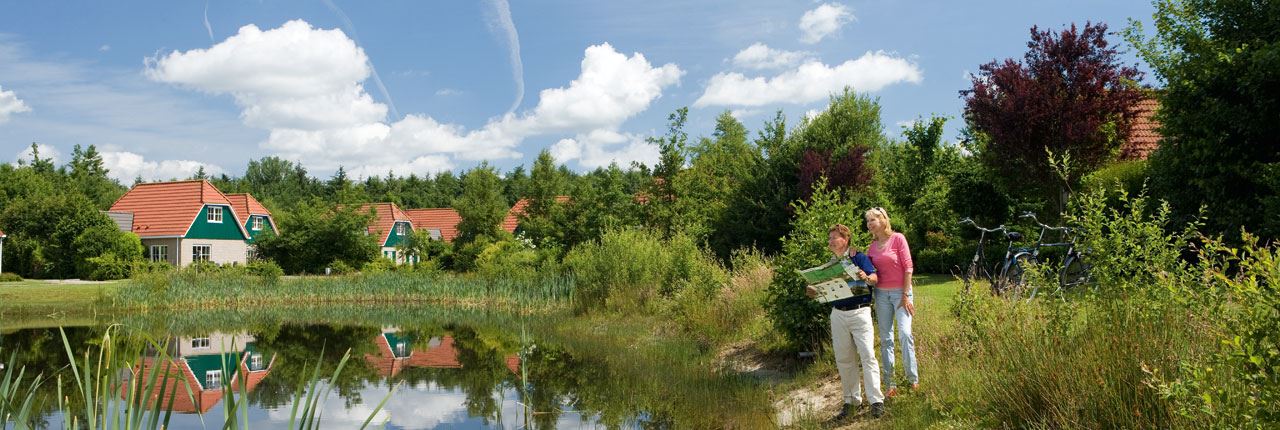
{"type": "Point", "coordinates": [391, 226]}
{"type": "Point", "coordinates": [257, 219]}
{"type": "Point", "coordinates": [513, 215]}
{"type": "Point", "coordinates": [184, 221]}
{"type": "Point", "coordinates": [441, 223]}
{"type": "Point", "coordinates": [398, 351]}
{"type": "Point", "coordinates": [201, 363]}
{"type": "Point", "coordinates": [1144, 136]}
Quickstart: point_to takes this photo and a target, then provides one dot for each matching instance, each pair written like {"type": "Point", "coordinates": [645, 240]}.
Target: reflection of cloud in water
{"type": "Point", "coordinates": [423, 406]}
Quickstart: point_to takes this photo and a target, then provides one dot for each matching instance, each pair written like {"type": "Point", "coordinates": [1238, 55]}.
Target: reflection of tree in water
{"type": "Point", "coordinates": [483, 371]}
{"type": "Point", "coordinates": [40, 351]}
{"type": "Point", "coordinates": [297, 349]}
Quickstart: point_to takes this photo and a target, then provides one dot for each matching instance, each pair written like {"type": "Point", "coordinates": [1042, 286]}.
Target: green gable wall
{"type": "Point", "coordinates": [394, 239]}
{"type": "Point", "coordinates": [266, 226]}
{"type": "Point", "coordinates": [228, 363]}
{"type": "Point", "coordinates": [203, 229]}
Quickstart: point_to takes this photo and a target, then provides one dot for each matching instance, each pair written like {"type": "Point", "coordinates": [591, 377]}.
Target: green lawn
{"type": "Point", "coordinates": [47, 297]}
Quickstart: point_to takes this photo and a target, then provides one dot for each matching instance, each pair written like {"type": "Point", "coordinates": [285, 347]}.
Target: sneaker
{"type": "Point", "coordinates": [877, 409]}
{"type": "Point", "coordinates": [893, 392]}
{"type": "Point", "coordinates": [846, 411]}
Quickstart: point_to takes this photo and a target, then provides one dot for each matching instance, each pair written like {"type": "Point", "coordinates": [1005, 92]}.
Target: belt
{"type": "Point", "coordinates": [852, 307]}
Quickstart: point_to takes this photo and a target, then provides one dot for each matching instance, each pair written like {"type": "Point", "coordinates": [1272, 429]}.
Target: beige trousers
{"type": "Point", "coordinates": [853, 344]}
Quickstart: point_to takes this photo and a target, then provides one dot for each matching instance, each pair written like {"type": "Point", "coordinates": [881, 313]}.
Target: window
{"type": "Point", "coordinates": [399, 229]}
{"type": "Point", "coordinates": [400, 349]}
{"type": "Point", "coordinates": [257, 223]}
{"type": "Point", "coordinates": [159, 252]}
{"type": "Point", "coordinates": [200, 253]}
{"type": "Point", "coordinates": [255, 362]}
{"type": "Point", "coordinates": [215, 214]}
{"type": "Point", "coordinates": [435, 234]}
{"type": "Point", "coordinates": [200, 343]}
{"type": "Point", "coordinates": [212, 378]}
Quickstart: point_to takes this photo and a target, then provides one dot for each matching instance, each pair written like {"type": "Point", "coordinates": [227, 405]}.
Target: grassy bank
{"type": "Point", "coordinates": [39, 298]}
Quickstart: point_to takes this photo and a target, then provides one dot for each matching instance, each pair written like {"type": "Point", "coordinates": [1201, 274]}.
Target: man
{"type": "Point", "coordinates": [851, 330]}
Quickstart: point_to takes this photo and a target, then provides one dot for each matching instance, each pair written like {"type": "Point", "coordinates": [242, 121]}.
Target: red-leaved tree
{"type": "Point", "coordinates": [1069, 96]}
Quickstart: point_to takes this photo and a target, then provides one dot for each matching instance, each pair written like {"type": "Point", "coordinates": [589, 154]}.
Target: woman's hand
{"type": "Point", "coordinates": [810, 291]}
{"type": "Point", "coordinates": [906, 304]}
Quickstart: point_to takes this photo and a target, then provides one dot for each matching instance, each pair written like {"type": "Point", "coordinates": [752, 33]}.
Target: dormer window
{"type": "Point", "coordinates": [399, 229]}
{"type": "Point", "coordinates": [257, 223]}
{"type": "Point", "coordinates": [215, 214]}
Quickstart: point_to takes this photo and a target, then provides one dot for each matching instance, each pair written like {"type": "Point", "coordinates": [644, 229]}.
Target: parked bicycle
{"type": "Point", "coordinates": [1075, 270]}
{"type": "Point", "coordinates": [997, 273]}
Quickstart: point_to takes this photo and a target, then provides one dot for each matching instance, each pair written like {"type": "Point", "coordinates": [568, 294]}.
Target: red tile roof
{"type": "Point", "coordinates": [387, 216]}
{"type": "Point", "coordinates": [245, 206]}
{"type": "Point", "coordinates": [2, 234]}
{"type": "Point", "coordinates": [441, 356]}
{"type": "Point", "coordinates": [444, 219]}
{"type": "Point", "coordinates": [180, 377]}
{"type": "Point", "coordinates": [167, 209]}
{"type": "Point", "coordinates": [513, 216]}
{"type": "Point", "coordinates": [1143, 135]}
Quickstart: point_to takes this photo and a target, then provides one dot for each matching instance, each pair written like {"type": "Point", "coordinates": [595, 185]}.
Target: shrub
{"type": "Point", "coordinates": [106, 267]}
{"type": "Point", "coordinates": [379, 265]}
{"type": "Point", "coordinates": [10, 277]}
{"type": "Point", "coordinates": [631, 270]}
{"type": "Point", "coordinates": [267, 269]}
{"type": "Point", "coordinates": [339, 267]}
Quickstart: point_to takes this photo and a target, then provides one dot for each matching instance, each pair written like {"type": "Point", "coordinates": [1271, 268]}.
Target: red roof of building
{"type": "Point", "coordinates": [442, 356]}
{"type": "Point", "coordinates": [167, 209]}
{"type": "Point", "coordinates": [179, 377]}
{"type": "Point", "coordinates": [1144, 136]}
{"type": "Point", "coordinates": [385, 219]}
{"type": "Point", "coordinates": [2, 233]}
{"type": "Point", "coordinates": [513, 216]}
{"type": "Point", "coordinates": [246, 206]}
{"type": "Point", "coordinates": [444, 219]}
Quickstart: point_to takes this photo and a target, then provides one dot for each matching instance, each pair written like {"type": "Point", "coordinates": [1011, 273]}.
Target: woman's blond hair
{"type": "Point", "coordinates": [883, 216]}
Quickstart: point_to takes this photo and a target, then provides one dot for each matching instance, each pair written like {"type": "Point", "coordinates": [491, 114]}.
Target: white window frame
{"type": "Point", "coordinates": [159, 253]}
{"type": "Point", "coordinates": [255, 361]}
{"type": "Point", "coordinates": [400, 349]}
{"type": "Point", "coordinates": [257, 223]}
{"type": "Point", "coordinates": [200, 343]}
{"type": "Point", "coordinates": [212, 378]}
{"type": "Point", "coordinates": [399, 229]}
{"type": "Point", "coordinates": [195, 252]}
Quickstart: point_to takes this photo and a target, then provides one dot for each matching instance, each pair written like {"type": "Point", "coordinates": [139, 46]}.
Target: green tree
{"type": "Point", "coordinates": [708, 190]}
{"type": "Point", "coordinates": [105, 252]}
{"type": "Point", "coordinates": [660, 210]}
{"type": "Point", "coordinates": [538, 222]}
{"type": "Point", "coordinates": [316, 234]}
{"type": "Point", "coordinates": [43, 231]}
{"type": "Point", "coordinates": [1220, 63]}
{"type": "Point", "coordinates": [89, 175]}
{"type": "Point", "coordinates": [481, 206]}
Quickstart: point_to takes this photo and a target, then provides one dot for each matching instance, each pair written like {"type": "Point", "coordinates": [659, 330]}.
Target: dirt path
{"type": "Point", "coordinates": [803, 405]}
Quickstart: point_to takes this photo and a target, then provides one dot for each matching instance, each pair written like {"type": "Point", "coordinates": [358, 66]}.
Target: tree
{"type": "Point", "coordinates": [482, 205]}
{"type": "Point", "coordinates": [316, 234]}
{"type": "Point", "coordinates": [835, 144]}
{"type": "Point", "coordinates": [89, 175]}
{"type": "Point", "coordinates": [1070, 96]}
{"type": "Point", "coordinates": [43, 230]}
{"type": "Point", "coordinates": [1220, 63]}
{"type": "Point", "coordinates": [709, 188]}
{"type": "Point", "coordinates": [545, 186]}
{"type": "Point", "coordinates": [660, 205]}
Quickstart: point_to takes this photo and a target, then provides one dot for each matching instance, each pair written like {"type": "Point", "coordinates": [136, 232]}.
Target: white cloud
{"type": "Point", "coordinates": [744, 113]}
{"type": "Point", "coordinates": [812, 81]}
{"type": "Point", "coordinates": [46, 153]}
{"type": "Point", "coordinates": [760, 56]}
{"type": "Point", "coordinates": [10, 104]}
{"type": "Point", "coordinates": [443, 92]}
{"type": "Point", "coordinates": [124, 166]}
{"type": "Point", "coordinates": [498, 15]}
{"type": "Point", "coordinates": [304, 86]}
{"type": "Point", "coordinates": [822, 21]}
{"type": "Point", "coordinates": [599, 148]}
{"type": "Point", "coordinates": [104, 48]}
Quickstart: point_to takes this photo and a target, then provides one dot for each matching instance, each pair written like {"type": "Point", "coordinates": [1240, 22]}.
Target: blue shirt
{"type": "Point", "coordinates": [863, 262]}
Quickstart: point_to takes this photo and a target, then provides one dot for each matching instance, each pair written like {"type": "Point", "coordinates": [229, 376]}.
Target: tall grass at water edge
{"type": "Point", "coordinates": [195, 290]}
{"type": "Point", "coordinates": [117, 386]}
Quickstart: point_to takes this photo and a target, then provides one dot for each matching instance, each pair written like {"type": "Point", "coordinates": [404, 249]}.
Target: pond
{"type": "Point", "coordinates": [406, 368]}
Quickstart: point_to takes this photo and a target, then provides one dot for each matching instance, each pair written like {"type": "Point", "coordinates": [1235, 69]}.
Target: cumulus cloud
{"type": "Point", "coordinates": [812, 81]}
{"type": "Point", "coordinates": [822, 21]}
{"type": "Point", "coordinates": [124, 166]}
{"type": "Point", "coordinates": [599, 148]}
{"type": "Point", "coordinates": [760, 56]}
{"type": "Point", "coordinates": [46, 153]}
{"type": "Point", "coordinates": [304, 85]}
{"type": "Point", "coordinates": [10, 104]}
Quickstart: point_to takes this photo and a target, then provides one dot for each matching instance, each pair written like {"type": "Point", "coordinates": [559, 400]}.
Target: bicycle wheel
{"type": "Point", "coordinates": [1074, 274]}
{"type": "Point", "coordinates": [1014, 277]}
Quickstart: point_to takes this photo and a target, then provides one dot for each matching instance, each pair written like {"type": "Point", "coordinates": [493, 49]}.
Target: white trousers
{"type": "Point", "coordinates": [853, 344]}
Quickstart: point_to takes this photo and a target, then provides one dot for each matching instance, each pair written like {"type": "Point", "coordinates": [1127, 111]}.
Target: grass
{"type": "Point", "coordinates": [33, 298]}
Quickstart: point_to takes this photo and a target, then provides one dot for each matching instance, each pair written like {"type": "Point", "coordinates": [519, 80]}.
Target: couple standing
{"type": "Point", "coordinates": [887, 267]}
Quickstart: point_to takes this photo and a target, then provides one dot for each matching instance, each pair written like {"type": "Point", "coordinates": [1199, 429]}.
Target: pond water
{"type": "Point", "coordinates": [448, 369]}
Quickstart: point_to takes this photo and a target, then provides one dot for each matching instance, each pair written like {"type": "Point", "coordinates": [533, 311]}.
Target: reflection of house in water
{"type": "Point", "coordinates": [202, 363]}
{"type": "Point", "coordinates": [397, 352]}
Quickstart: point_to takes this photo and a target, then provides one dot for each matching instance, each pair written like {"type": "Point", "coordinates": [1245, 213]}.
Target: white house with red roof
{"type": "Point", "coordinates": [184, 221]}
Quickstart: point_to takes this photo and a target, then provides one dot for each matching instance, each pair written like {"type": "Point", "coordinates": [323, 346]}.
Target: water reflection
{"type": "Point", "coordinates": [202, 364]}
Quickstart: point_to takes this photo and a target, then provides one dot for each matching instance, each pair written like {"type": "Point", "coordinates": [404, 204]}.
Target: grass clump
{"type": "Point", "coordinates": [10, 277]}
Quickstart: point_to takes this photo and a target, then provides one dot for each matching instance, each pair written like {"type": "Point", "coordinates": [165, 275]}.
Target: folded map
{"type": "Point", "coordinates": [831, 281]}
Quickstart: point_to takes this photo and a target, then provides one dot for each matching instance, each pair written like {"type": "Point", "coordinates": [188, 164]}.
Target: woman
{"type": "Point", "coordinates": [851, 331]}
{"type": "Point", "coordinates": [891, 255]}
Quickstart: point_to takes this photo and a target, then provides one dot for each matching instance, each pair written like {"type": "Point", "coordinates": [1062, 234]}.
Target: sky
{"type": "Point", "coordinates": [163, 88]}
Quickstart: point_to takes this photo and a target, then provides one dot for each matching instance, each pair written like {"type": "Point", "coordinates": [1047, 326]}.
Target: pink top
{"type": "Point", "coordinates": [892, 263]}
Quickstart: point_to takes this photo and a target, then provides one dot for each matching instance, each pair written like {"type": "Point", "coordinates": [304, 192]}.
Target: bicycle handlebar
{"type": "Point", "coordinates": [969, 221]}
{"type": "Point", "coordinates": [1032, 215]}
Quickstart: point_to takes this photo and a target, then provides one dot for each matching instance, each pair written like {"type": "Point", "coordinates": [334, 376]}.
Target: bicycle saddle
{"type": "Point", "coordinates": [1013, 235]}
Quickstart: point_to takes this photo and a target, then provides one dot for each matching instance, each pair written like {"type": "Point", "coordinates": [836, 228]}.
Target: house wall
{"type": "Point", "coordinates": [228, 229]}
{"type": "Point", "coordinates": [173, 244]}
{"type": "Point", "coordinates": [266, 226]}
{"type": "Point", "coordinates": [218, 343]}
{"type": "Point", "coordinates": [220, 251]}
{"type": "Point", "coordinates": [394, 239]}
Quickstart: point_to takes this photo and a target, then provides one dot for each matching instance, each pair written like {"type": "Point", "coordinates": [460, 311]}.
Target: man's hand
{"type": "Point", "coordinates": [810, 291]}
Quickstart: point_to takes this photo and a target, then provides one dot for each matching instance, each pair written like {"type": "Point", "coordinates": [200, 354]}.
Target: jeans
{"type": "Point", "coordinates": [888, 311]}
{"type": "Point", "coordinates": [853, 345]}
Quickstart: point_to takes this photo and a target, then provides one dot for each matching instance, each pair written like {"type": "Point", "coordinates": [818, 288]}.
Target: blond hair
{"type": "Point", "coordinates": [880, 214]}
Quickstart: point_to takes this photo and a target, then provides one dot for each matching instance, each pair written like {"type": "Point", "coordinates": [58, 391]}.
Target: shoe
{"type": "Point", "coordinates": [915, 386]}
{"type": "Point", "coordinates": [846, 410]}
{"type": "Point", "coordinates": [877, 410]}
{"type": "Point", "coordinates": [893, 392]}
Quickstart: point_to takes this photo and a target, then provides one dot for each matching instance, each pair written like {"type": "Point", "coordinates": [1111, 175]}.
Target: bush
{"type": "Point", "coordinates": [267, 269]}
{"type": "Point", "coordinates": [379, 265]}
{"type": "Point", "coordinates": [339, 267]}
{"type": "Point", "coordinates": [10, 277]}
{"type": "Point", "coordinates": [106, 267]}
{"type": "Point", "coordinates": [631, 270]}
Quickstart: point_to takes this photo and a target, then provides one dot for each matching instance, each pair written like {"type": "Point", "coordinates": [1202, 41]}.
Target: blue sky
{"type": "Point", "coordinates": [163, 87]}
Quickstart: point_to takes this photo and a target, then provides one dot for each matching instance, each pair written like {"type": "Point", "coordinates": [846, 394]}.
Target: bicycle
{"type": "Point", "coordinates": [1000, 283]}
{"type": "Point", "coordinates": [1074, 271]}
